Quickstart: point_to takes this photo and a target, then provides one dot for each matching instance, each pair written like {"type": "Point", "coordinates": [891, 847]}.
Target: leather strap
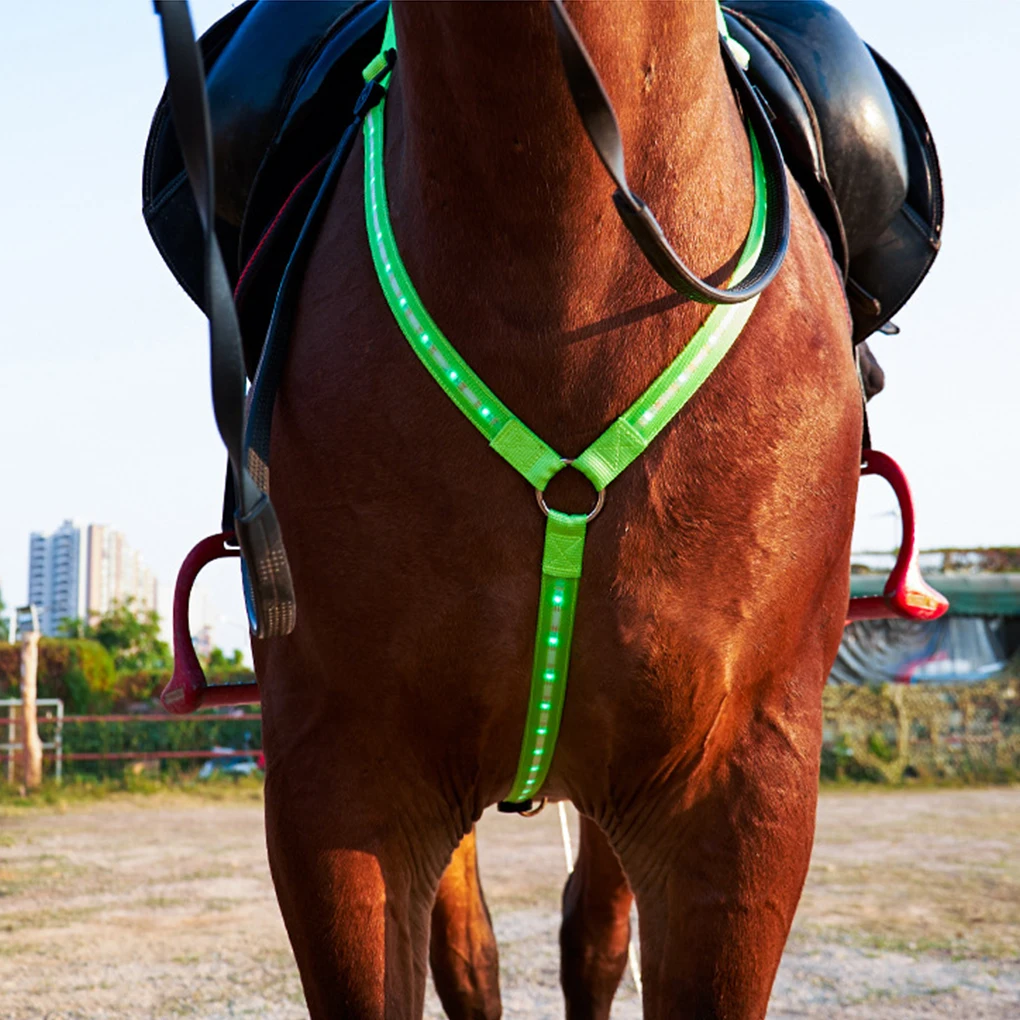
{"type": "Point", "coordinates": [268, 588]}
{"type": "Point", "coordinates": [599, 120]}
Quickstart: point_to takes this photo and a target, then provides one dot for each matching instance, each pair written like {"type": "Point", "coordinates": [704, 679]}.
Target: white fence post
{"type": "Point", "coordinates": [31, 744]}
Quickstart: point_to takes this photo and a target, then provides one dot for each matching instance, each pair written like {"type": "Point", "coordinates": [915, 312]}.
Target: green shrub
{"type": "Point", "coordinates": [79, 672]}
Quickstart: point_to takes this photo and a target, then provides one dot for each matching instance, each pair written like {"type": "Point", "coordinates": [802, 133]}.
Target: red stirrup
{"type": "Point", "coordinates": [907, 595]}
{"type": "Point", "coordinates": [188, 689]}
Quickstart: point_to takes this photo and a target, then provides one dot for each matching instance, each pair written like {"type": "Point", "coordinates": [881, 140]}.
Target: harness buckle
{"type": "Point", "coordinates": [524, 808]}
{"type": "Point", "coordinates": [600, 497]}
{"type": "Point", "coordinates": [265, 572]}
{"type": "Point", "coordinates": [374, 89]}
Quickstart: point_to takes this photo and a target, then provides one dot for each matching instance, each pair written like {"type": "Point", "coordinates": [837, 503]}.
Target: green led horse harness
{"type": "Point", "coordinates": [535, 459]}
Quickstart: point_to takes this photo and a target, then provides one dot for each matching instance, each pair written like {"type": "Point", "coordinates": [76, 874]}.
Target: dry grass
{"type": "Point", "coordinates": [139, 905]}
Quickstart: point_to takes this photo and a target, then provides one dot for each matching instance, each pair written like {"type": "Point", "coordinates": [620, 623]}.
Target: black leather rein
{"type": "Point", "coordinates": [268, 589]}
{"type": "Point", "coordinates": [599, 120]}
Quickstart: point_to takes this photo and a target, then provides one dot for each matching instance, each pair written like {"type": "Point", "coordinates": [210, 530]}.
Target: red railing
{"type": "Point", "coordinates": [244, 752]}
{"type": "Point", "coordinates": [154, 755]}
{"type": "Point", "coordinates": [161, 717]}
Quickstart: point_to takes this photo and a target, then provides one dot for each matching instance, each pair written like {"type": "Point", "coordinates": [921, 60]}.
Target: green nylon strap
{"type": "Point", "coordinates": [629, 436]}
{"type": "Point", "coordinates": [561, 573]}
{"type": "Point", "coordinates": [507, 435]}
{"type": "Point", "coordinates": [530, 455]}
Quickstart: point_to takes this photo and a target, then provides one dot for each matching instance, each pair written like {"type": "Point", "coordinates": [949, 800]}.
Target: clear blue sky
{"type": "Point", "coordinates": [104, 396]}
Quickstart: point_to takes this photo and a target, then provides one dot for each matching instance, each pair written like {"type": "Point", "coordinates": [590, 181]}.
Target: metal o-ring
{"type": "Point", "coordinates": [600, 498]}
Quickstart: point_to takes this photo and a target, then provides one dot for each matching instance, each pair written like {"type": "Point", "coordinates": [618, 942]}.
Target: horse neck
{"type": "Point", "coordinates": [489, 166]}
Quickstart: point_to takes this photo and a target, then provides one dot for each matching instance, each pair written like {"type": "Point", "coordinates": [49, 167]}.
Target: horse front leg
{"type": "Point", "coordinates": [463, 952]}
{"type": "Point", "coordinates": [356, 873]}
{"type": "Point", "coordinates": [595, 934]}
{"type": "Point", "coordinates": [717, 860]}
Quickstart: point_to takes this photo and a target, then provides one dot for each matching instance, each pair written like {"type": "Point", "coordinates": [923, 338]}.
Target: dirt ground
{"type": "Point", "coordinates": [161, 906]}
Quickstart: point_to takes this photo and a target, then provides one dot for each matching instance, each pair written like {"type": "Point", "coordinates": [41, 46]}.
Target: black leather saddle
{"type": "Point", "coordinates": [283, 80]}
{"type": "Point", "coordinates": [855, 140]}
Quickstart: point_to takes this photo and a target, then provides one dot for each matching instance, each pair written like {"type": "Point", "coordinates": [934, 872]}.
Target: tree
{"type": "Point", "coordinates": [72, 627]}
{"type": "Point", "coordinates": [218, 659]}
{"type": "Point", "coordinates": [5, 630]}
{"type": "Point", "coordinates": [131, 638]}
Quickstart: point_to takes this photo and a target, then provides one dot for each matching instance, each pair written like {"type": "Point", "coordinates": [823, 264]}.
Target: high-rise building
{"type": "Point", "coordinates": [117, 573]}
{"type": "Point", "coordinates": [73, 575]}
{"type": "Point", "coordinates": [96, 593]}
{"type": "Point", "coordinates": [56, 576]}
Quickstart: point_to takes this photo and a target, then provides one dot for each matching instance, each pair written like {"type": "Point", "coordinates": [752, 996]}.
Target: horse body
{"type": "Point", "coordinates": [716, 578]}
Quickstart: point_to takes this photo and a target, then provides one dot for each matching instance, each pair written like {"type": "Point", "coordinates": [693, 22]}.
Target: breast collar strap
{"type": "Point", "coordinates": [530, 455]}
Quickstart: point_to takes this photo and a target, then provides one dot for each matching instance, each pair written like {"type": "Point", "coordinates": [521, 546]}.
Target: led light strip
{"type": "Point", "coordinates": [552, 660]}
{"type": "Point", "coordinates": [561, 572]}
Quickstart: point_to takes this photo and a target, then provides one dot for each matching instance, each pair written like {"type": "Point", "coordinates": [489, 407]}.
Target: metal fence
{"type": "Point", "coordinates": [50, 713]}
{"type": "Point", "coordinates": [897, 731]}
{"type": "Point", "coordinates": [101, 744]}
{"type": "Point", "coordinates": [886, 733]}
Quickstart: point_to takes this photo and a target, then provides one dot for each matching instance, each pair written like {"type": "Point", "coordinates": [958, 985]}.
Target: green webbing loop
{"type": "Point", "coordinates": [564, 544]}
{"type": "Point", "coordinates": [743, 57]}
{"type": "Point", "coordinates": [530, 455]}
{"type": "Point", "coordinates": [535, 459]}
{"type": "Point", "coordinates": [389, 42]}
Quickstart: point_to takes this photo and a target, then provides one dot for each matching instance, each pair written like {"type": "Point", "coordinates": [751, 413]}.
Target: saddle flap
{"type": "Point", "coordinates": [856, 141]}
{"type": "Point", "coordinates": [884, 276]}
{"type": "Point", "coordinates": [318, 109]}
{"type": "Point", "coordinates": [168, 205]}
{"type": "Point", "coordinates": [795, 124]}
{"type": "Point", "coordinates": [254, 60]}
{"type": "Point", "coordinates": [862, 145]}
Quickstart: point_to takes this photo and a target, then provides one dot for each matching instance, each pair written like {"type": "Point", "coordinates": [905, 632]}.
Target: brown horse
{"type": "Point", "coordinates": [716, 579]}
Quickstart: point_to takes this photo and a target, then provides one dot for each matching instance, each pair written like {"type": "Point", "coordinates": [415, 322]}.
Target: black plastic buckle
{"type": "Point", "coordinates": [514, 807]}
